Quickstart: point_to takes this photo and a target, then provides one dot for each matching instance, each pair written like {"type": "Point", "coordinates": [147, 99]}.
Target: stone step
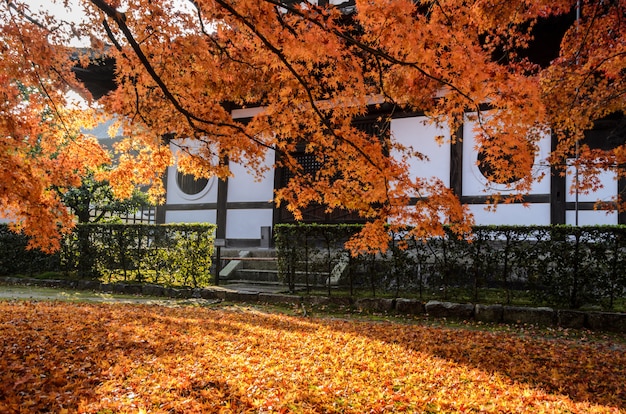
{"type": "Point", "coordinates": [272, 276]}
{"type": "Point", "coordinates": [261, 265]}
{"type": "Point", "coordinates": [233, 260]}
{"type": "Point", "coordinates": [249, 252]}
{"type": "Point", "coordinates": [256, 275]}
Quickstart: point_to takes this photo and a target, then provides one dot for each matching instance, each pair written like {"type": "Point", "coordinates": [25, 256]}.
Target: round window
{"type": "Point", "coordinates": [189, 184]}
{"type": "Point", "coordinates": [488, 171]}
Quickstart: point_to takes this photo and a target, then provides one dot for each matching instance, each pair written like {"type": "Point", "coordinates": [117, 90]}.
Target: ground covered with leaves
{"type": "Point", "coordinates": [101, 358]}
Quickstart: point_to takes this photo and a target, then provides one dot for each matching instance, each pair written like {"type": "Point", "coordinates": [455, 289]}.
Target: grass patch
{"type": "Point", "coordinates": [45, 293]}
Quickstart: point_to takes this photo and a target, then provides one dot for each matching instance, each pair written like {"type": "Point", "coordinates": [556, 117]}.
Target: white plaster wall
{"type": "Point", "coordinates": [606, 193]}
{"type": "Point", "coordinates": [609, 190]}
{"type": "Point", "coordinates": [190, 216]}
{"type": "Point", "coordinates": [176, 196]}
{"type": "Point", "coordinates": [246, 224]}
{"type": "Point", "coordinates": [591, 218]}
{"type": "Point", "coordinates": [246, 112]}
{"type": "Point", "coordinates": [512, 214]}
{"type": "Point", "coordinates": [244, 186]}
{"type": "Point", "coordinates": [421, 137]}
{"type": "Point", "coordinates": [475, 184]}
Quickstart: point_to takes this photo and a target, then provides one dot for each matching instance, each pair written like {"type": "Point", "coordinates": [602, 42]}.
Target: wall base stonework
{"type": "Point", "coordinates": [605, 321]}
{"type": "Point", "coordinates": [410, 306]}
{"type": "Point", "coordinates": [153, 290]}
{"type": "Point", "coordinates": [488, 313]}
{"type": "Point", "coordinates": [438, 309]}
{"type": "Point", "coordinates": [327, 300]}
{"type": "Point", "coordinates": [241, 296]}
{"type": "Point", "coordinates": [524, 315]}
{"type": "Point", "coordinates": [279, 298]}
{"type": "Point", "coordinates": [571, 319]}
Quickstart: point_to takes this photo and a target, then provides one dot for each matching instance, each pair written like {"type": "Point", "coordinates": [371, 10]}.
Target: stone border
{"type": "Point", "coordinates": [543, 316]}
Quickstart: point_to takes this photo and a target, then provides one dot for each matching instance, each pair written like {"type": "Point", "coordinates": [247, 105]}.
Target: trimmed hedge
{"type": "Point", "coordinates": [172, 254]}
{"type": "Point", "coordinates": [558, 265]}
{"type": "Point", "coordinates": [16, 259]}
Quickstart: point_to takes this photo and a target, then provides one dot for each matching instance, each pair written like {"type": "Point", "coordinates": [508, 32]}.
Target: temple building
{"type": "Point", "coordinates": [243, 209]}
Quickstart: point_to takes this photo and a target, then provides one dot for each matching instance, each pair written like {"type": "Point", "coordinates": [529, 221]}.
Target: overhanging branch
{"type": "Point", "coordinates": [120, 19]}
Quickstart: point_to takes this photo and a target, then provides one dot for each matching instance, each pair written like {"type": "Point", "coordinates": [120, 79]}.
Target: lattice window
{"type": "Point", "coordinates": [309, 163]}
{"type": "Point", "coordinates": [374, 127]}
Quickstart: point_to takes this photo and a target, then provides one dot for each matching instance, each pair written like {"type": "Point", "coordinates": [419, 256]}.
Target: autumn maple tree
{"type": "Point", "coordinates": [182, 66]}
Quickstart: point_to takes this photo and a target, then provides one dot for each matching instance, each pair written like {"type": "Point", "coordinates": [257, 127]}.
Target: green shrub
{"type": "Point", "coordinates": [15, 259]}
{"type": "Point", "coordinates": [171, 254]}
{"type": "Point", "coordinates": [556, 265]}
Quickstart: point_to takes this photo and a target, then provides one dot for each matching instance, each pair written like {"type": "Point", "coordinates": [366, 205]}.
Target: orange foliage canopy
{"type": "Point", "coordinates": [182, 66]}
{"type": "Point", "coordinates": [67, 357]}
{"type": "Point", "coordinates": [41, 144]}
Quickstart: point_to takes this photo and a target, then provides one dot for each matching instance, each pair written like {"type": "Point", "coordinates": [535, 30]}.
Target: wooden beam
{"type": "Point", "coordinates": [558, 191]}
{"type": "Point", "coordinates": [456, 163]}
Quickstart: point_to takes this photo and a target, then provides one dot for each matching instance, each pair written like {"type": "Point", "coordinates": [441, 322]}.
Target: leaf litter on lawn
{"type": "Point", "coordinates": [92, 358]}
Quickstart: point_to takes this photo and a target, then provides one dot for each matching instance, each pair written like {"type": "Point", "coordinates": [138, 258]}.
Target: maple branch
{"type": "Point", "coordinates": [372, 50]}
{"type": "Point", "coordinates": [36, 22]}
{"type": "Point", "coordinates": [381, 54]}
{"type": "Point", "coordinates": [220, 48]}
{"type": "Point", "coordinates": [616, 95]}
{"type": "Point", "coordinates": [589, 74]}
{"type": "Point", "coordinates": [381, 80]}
{"type": "Point", "coordinates": [28, 17]}
{"type": "Point", "coordinates": [586, 35]}
{"type": "Point", "coordinates": [120, 19]}
{"type": "Point", "coordinates": [118, 46]}
{"type": "Point", "coordinates": [283, 23]}
{"type": "Point", "coordinates": [111, 36]}
{"type": "Point", "coordinates": [300, 80]}
{"type": "Point", "coordinates": [38, 77]}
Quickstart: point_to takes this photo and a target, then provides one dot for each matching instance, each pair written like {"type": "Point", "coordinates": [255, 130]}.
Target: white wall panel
{"type": "Point", "coordinates": [512, 214]}
{"type": "Point", "coordinates": [244, 186]}
{"type": "Point", "coordinates": [475, 184]}
{"type": "Point", "coordinates": [246, 224]}
{"type": "Point", "coordinates": [190, 216]}
{"type": "Point", "coordinates": [176, 196]}
{"type": "Point", "coordinates": [421, 137]}
{"type": "Point", "coordinates": [609, 190]}
{"type": "Point", "coordinates": [591, 218]}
